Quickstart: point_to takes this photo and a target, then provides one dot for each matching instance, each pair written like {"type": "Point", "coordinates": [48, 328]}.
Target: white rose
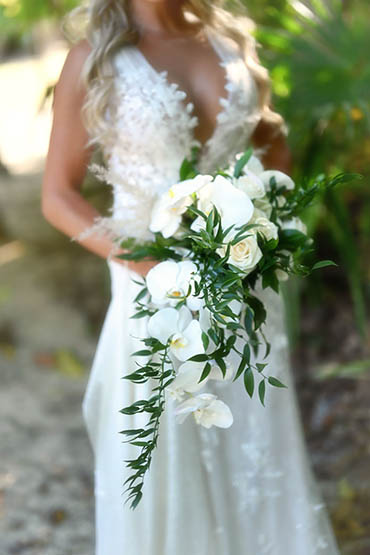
{"type": "Point", "coordinates": [244, 255]}
{"type": "Point", "coordinates": [282, 179]}
{"type": "Point", "coordinates": [263, 205]}
{"type": "Point", "coordinates": [250, 184]}
{"type": "Point", "coordinates": [294, 223]}
{"type": "Point", "coordinates": [267, 228]}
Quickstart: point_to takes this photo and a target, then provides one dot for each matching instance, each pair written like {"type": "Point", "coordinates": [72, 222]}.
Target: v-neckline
{"type": "Point", "coordinates": [189, 107]}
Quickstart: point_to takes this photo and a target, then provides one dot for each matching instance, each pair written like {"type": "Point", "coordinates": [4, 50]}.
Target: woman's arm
{"type": "Point", "coordinates": [278, 155]}
{"type": "Point", "coordinates": [62, 202]}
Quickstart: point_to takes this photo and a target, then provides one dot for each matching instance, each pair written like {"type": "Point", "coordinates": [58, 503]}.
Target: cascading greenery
{"type": "Point", "coordinates": [218, 284]}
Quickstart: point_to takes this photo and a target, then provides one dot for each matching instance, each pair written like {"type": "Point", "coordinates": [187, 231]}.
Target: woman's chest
{"type": "Point", "coordinates": [158, 120]}
{"type": "Point", "coordinates": [197, 69]}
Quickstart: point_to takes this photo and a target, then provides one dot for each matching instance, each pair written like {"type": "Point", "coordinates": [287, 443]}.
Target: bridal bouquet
{"type": "Point", "coordinates": [214, 236]}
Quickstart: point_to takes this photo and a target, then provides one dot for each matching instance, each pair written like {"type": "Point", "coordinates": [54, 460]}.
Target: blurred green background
{"type": "Point", "coordinates": [317, 52]}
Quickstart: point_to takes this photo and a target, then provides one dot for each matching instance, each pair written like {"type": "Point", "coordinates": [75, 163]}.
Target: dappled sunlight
{"type": "Point", "coordinates": [25, 129]}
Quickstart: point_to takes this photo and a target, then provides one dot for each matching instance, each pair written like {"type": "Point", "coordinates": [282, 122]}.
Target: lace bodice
{"type": "Point", "coordinates": [153, 124]}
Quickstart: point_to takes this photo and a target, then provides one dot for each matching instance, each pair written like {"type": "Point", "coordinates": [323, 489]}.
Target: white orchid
{"type": "Point", "coordinates": [169, 281]}
{"type": "Point", "coordinates": [184, 332]}
{"type": "Point", "coordinates": [168, 209]}
{"type": "Point", "coordinates": [186, 380]}
{"type": "Point", "coordinates": [216, 373]}
{"type": "Point", "coordinates": [189, 373]}
{"type": "Point", "coordinates": [233, 205]}
{"type": "Point", "coordinates": [207, 410]}
{"type": "Point", "coordinates": [254, 165]}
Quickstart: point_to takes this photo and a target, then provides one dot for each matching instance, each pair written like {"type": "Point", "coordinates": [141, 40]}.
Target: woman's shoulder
{"type": "Point", "coordinates": [69, 82]}
{"type": "Point", "coordinates": [78, 53]}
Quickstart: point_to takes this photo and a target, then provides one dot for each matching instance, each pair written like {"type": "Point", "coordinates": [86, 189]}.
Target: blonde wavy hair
{"type": "Point", "coordinates": [107, 27]}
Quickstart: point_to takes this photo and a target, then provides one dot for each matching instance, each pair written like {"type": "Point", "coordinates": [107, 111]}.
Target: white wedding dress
{"type": "Point", "coordinates": [245, 490]}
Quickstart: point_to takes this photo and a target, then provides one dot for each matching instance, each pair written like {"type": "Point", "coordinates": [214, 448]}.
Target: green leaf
{"type": "Point", "coordinates": [247, 352]}
{"type": "Point", "coordinates": [221, 363]}
{"type": "Point", "coordinates": [242, 162]}
{"type": "Point", "coordinates": [248, 320]}
{"type": "Point", "coordinates": [242, 365]}
{"type": "Point", "coordinates": [269, 279]}
{"type": "Point", "coordinates": [206, 371]}
{"type": "Point", "coordinates": [260, 366]}
{"type": "Point", "coordinates": [275, 382]}
{"type": "Point", "coordinates": [213, 335]}
{"type": "Point", "coordinates": [291, 238]}
{"type": "Point", "coordinates": [186, 170]}
{"type": "Point", "coordinates": [258, 309]}
{"type": "Point", "coordinates": [210, 221]}
{"type": "Point", "coordinates": [130, 410]}
{"type": "Point", "coordinates": [205, 340]}
{"type": "Point", "coordinates": [132, 432]}
{"type": "Point", "coordinates": [261, 391]}
{"type": "Point", "coordinates": [197, 212]}
{"type": "Point", "coordinates": [133, 377]}
{"type": "Point", "coordinates": [142, 353]}
{"type": "Point", "coordinates": [249, 381]}
{"type": "Point", "coordinates": [268, 349]}
{"type": "Point", "coordinates": [323, 264]}
{"type": "Point", "coordinates": [270, 245]}
{"type": "Point", "coordinates": [136, 500]}
{"type": "Point", "coordinates": [139, 314]}
{"type": "Point", "coordinates": [199, 358]}
{"type": "Point", "coordinates": [140, 295]}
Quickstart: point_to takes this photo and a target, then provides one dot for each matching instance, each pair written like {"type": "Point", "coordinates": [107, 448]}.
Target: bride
{"type": "Point", "coordinates": [146, 82]}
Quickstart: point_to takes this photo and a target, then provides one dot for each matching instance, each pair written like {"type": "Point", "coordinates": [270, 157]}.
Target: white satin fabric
{"type": "Point", "coordinates": [245, 490]}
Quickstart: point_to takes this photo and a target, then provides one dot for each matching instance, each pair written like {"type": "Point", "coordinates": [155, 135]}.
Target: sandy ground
{"type": "Point", "coordinates": [46, 469]}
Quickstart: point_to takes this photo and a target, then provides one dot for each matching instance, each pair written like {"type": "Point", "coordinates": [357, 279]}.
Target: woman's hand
{"type": "Point", "coordinates": [141, 267]}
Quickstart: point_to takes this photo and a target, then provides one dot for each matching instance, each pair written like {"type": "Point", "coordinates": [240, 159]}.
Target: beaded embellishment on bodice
{"type": "Point", "coordinates": [154, 132]}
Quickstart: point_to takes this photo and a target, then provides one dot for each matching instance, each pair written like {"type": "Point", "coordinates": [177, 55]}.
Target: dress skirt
{"type": "Point", "coordinates": [245, 490]}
